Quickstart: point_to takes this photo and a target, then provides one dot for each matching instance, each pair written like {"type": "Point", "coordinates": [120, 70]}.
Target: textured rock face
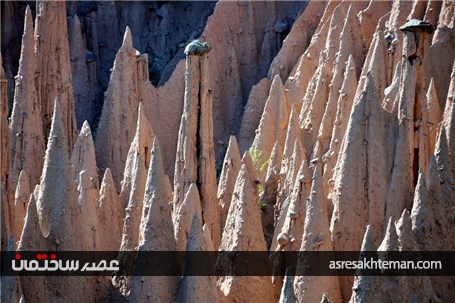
{"type": "Point", "coordinates": [339, 138]}
{"type": "Point", "coordinates": [156, 233]}
{"type": "Point", "coordinates": [26, 134]}
{"type": "Point", "coordinates": [316, 237]}
{"type": "Point", "coordinates": [195, 158]}
{"type": "Point", "coordinates": [231, 167]}
{"type": "Point", "coordinates": [53, 69]}
{"type": "Point", "coordinates": [243, 232]}
{"type": "Point", "coordinates": [6, 187]}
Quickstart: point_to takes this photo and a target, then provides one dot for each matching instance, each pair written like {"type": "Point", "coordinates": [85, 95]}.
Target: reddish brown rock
{"type": "Point", "coordinates": [183, 217]}
{"type": "Point", "coordinates": [442, 46]}
{"type": "Point", "coordinates": [56, 198]}
{"type": "Point", "coordinates": [307, 64]}
{"type": "Point", "coordinates": [268, 197]}
{"type": "Point", "coordinates": [186, 166]}
{"type": "Point", "coordinates": [206, 161]}
{"type": "Point", "coordinates": [368, 96]}
{"type": "Point", "coordinates": [134, 181]}
{"type": "Point", "coordinates": [294, 224]}
{"type": "Point", "coordinates": [83, 74]}
{"type": "Point", "coordinates": [249, 164]}
{"type": "Point", "coordinates": [231, 167]}
{"type": "Point", "coordinates": [343, 111]}
{"type": "Point", "coordinates": [195, 159]}
{"type": "Point", "coordinates": [5, 185]}
{"type": "Point", "coordinates": [293, 132]}
{"type": "Point", "coordinates": [139, 152]}
{"type": "Point", "coordinates": [427, 127]}
{"type": "Point", "coordinates": [369, 19]}
{"type": "Point", "coordinates": [410, 97]}
{"type": "Point", "coordinates": [121, 104]}
{"type": "Point", "coordinates": [351, 47]}
{"type": "Point", "coordinates": [243, 232]}
{"type": "Point", "coordinates": [167, 105]}
{"type": "Point", "coordinates": [362, 290]}
{"type": "Point", "coordinates": [274, 121]}
{"type": "Point", "coordinates": [53, 68]}
{"type": "Point", "coordinates": [284, 192]}
{"type": "Point", "coordinates": [26, 131]}
{"type": "Point", "coordinates": [156, 233]}
{"type": "Point", "coordinates": [54, 222]}
{"type": "Point", "coordinates": [244, 39]}
{"type": "Point", "coordinates": [317, 94]}
{"type": "Point", "coordinates": [287, 291]}
{"type": "Point", "coordinates": [449, 119]}
{"type": "Point", "coordinates": [297, 40]}
{"type": "Point", "coordinates": [86, 180]}
{"type": "Point", "coordinates": [197, 288]}
{"type": "Point", "coordinates": [399, 14]}
{"type": "Point", "coordinates": [252, 113]}
{"type": "Point", "coordinates": [21, 197]}
{"type": "Point", "coordinates": [109, 213]}
{"type": "Point", "coordinates": [359, 194]}
{"type": "Point", "coordinates": [316, 237]}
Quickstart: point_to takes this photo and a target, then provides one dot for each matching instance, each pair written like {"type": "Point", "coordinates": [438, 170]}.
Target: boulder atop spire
{"type": "Point", "coordinates": [186, 162]}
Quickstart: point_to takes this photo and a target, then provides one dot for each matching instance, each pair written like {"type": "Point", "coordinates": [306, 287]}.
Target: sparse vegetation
{"type": "Point", "coordinates": [260, 165]}
{"type": "Point", "coordinates": [262, 205]}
